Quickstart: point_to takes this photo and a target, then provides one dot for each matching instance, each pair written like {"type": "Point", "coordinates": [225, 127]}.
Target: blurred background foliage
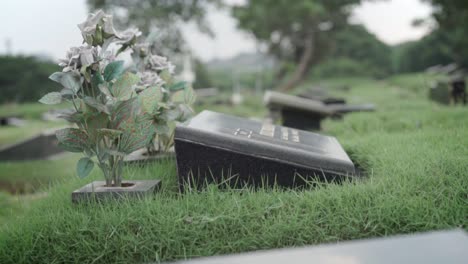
{"type": "Point", "coordinates": [25, 79]}
{"type": "Point", "coordinates": [313, 39]}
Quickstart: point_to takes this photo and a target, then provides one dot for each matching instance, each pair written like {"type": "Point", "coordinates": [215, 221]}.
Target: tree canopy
{"type": "Point", "coordinates": [160, 17]}
{"type": "Point", "coordinates": [447, 42]}
{"type": "Point", "coordinates": [25, 79]}
{"type": "Point", "coordinates": [355, 51]}
{"type": "Point", "coordinates": [298, 32]}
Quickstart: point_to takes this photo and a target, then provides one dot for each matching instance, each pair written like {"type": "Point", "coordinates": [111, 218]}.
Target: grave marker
{"type": "Point", "coordinates": [220, 148]}
{"type": "Point", "coordinates": [42, 146]}
{"type": "Point", "coordinates": [296, 112]}
{"type": "Point", "coordinates": [302, 113]}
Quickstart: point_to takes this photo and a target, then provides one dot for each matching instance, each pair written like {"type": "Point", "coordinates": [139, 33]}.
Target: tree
{"type": "Point", "coordinates": [452, 17]}
{"type": "Point", "coordinates": [297, 32]}
{"type": "Point", "coordinates": [24, 79]}
{"type": "Point", "coordinates": [416, 56]}
{"type": "Point", "coordinates": [159, 18]}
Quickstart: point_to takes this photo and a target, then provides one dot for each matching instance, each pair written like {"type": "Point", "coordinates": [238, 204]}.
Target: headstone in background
{"type": "Point", "coordinates": [219, 148]}
{"type": "Point", "coordinates": [307, 114]}
{"type": "Point", "coordinates": [427, 248]}
{"type": "Point", "coordinates": [11, 121]}
{"type": "Point", "coordinates": [206, 92]}
{"type": "Point", "coordinates": [324, 99]}
{"type": "Point", "coordinates": [56, 114]}
{"type": "Point", "coordinates": [41, 146]}
{"type": "Point", "coordinates": [458, 87]}
{"type": "Point", "coordinates": [344, 108]}
{"type": "Point", "coordinates": [440, 92]}
{"type": "Point", "coordinates": [296, 112]}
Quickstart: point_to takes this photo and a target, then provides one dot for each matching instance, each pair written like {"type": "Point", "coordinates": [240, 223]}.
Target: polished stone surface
{"type": "Point", "coordinates": [214, 146]}
{"type": "Point", "coordinates": [429, 248]}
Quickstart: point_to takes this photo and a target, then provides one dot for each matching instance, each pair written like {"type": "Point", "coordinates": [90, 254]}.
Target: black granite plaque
{"type": "Point", "coordinates": [11, 121]}
{"type": "Point", "coordinates": [429, 248]}
{"type": "Point", "coordinates": [216, 147]}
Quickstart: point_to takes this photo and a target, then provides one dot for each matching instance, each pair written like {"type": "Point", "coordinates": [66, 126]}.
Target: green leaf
{"type": "Point", "coordinates": [84, 167]}
{"type": "Point", "coordinates": [74, 117]}
{"type": "Point", "coordinates": [51, 98]}
{"type": "Point", "coordinates": [166, 76]}
{"type": "Point", "coordinates": [109, 133]}
{"type": "Point", "coordinates": [95, 104]}
{"type": "Point", "coordinates": [190, 95]}
{"type": "Point", "coordinates": [124, 111]}
{"type": "Point", "coordinates": [67, 94]}
{"type": "Point", "coordinates": [95, 122]}
{"type": "Point", "coordinates": [150, 98]}
{"type": "Point", "coordinates": [177, 86]}
{"type": "Point", "coordinates": [113, 70]}
{"type": "Point", "coordinates": [72, 139]}
{"type": "Point", "coordinates": [123, 86]}
{"type": "Point", "coordinates": [186, 96]}
{"type": "Point", "coordinates": [69, 80]}
{"type": "Point", "coordinates": [186, 112]}
{"type": "Point", "coordinates": [137, 134]}
{"type": "Point", "coordinates": [97, 79]}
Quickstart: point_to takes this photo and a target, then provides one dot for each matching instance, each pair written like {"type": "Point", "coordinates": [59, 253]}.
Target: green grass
{"type": "Point", "coordinates": [414, 150]}
{"type": "Point", "coordinates": [29, 176]}
{"type": "Point", "coordinates": [10, 134]}
{"type": "Point", "coordinates": [252, 106]}
{"type": "Point", "coordinates": [29, 110]}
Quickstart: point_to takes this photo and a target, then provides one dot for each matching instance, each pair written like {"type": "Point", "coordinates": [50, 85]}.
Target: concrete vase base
{"type": "Point", "coordinates": [97, 191]}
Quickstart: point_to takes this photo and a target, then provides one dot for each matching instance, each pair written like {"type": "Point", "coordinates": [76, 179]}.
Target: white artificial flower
{"type": "Point", "coordinates": [160, 63]}
{"type": "Point", "coordinates": [77, 57]}
{"type": "Point", "coordinates": [127, 35]}
{"type": "Point", "coordinates": [150, 78]}
{"type": "Point", "coordinates": [88, 27]}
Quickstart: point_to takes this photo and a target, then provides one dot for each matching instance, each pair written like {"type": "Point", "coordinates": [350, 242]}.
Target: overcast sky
{"type": "Point", "coordinates": [48, 27]}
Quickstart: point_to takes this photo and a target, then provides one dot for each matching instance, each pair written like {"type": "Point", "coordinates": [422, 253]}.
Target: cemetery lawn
{"type": "Point", "coordinates": [31, 113]}
{"type": "Point", "coordinates": [415, 151]}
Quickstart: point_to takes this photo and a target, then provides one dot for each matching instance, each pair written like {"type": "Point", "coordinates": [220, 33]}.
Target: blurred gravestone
{"type": "Point", "coordinates": [322, 98]}
{"type": "Point", "coordinates": [42, 146]}
{"type": "Point", "coordinates": [56, 114]}
{"type": "Point", "coordinates": [223, 149]}
{"type": "Point", "coordinates": [440, 92]}
{"type": "Point", "coordinates": [296, 112]}
{"type": "Point", "coordinates": [11, 121]}
{"type": "Point", "coordinates": [458, 87]}
{"type": "Point", "coordinates": [302, 113]}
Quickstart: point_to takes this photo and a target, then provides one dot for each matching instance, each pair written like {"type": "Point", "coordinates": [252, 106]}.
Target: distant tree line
{"type": "Point", "coordinates": [25, 79]}
{"type": "Point", "coordinates": [447, 42]}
